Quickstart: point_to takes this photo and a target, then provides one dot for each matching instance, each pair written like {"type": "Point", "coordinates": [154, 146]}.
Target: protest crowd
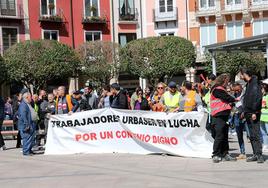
{"type": "Point", "coordinates": [234, 108]}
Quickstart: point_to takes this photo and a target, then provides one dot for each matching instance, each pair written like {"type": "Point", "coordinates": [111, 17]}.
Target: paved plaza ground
{"type": "Point", "coordinates": [126, 170]}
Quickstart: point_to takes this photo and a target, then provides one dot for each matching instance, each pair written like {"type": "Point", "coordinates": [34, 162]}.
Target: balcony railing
{"type": "Point", "coordinates": [160, 16]}
{"type": "Point", "coordinates": [259, 5]}
{"type": "Point", "coordinates": [58, 18]}
{"type": "Point", "coordinates": [6, 12]}
{"type": "Point", "coordinates": [128, 15]}
{"type": "Point", "coordinates": [50, 18]}
{"type": "Point", "coordinates": [94, 20]}
{"type": "Point", "coordinates": [207, 10]}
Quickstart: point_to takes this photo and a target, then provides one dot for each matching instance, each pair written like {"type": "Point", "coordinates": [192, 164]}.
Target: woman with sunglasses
{"type": "Point", "coordinates": [154, 101]}
{"type": "Point", "coordinates": [141, 103]}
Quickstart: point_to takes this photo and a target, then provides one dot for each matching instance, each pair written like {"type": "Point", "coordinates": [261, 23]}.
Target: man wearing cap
{"type": "Point", "coordinates": [81, 104]}
{"type": "Point", "coordinates": [118, 99]}
{"type": "Point", "coordinates": [171, 98]}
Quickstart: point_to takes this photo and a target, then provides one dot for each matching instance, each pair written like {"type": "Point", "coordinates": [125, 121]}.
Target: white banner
{"type": "Point", "coordinates": [124, 131]}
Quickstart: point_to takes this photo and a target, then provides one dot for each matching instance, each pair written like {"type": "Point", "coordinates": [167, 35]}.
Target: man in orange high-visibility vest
{"type": "Point", "coordinates": [64, 103]}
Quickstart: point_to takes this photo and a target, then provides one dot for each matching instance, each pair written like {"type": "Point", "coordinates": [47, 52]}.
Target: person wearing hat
{"type": "Point", "coordinates": [171, 98]}
{"type": "Point", "coordinates": [264, 116]}
{"type": "Point", "coordinates": [81, 103]}
{"type": "Point", "coordinates": [118, 99]}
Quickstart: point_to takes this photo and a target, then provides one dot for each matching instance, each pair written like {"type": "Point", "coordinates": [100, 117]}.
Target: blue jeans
{"type": "Point", "coordinates": [264, 132]}
{"type": "Point", "coordinates": [28, 139]}
{"type": "Point", "coordinates": [239, 127]}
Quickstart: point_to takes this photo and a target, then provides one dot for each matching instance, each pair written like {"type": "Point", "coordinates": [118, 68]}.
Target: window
{"type": "Point", "coordinates": [126, 7]}
{"type": "Point", "coordinates": [234, 30]}
{"type": "Point", "coordinates": [260, 27]}
{"type": "Point", "coordinates": [124, 38]}
{"type": "Point", "coordinates": [257, 2]}
{"type": "Point", "coordinates": [9, 37]}
{"type": "Point", "coordinates": [206, 4]}
{"type": "Point", "coordinates": [207, 35]}
{"type": "Point", "coordinates": [8, 7]}
{"type": "Point", "coordinates": [166, 34]}
{"type": "Point", "coordinates": [91, 8]}
{"type": "Point", "coordinates": [165, 5]}
{"type": "Point", "coordinates": [233, 2]}
{"type": "Point", "coordinates": [92, 35]}
{"type": "Point", "coordinates": [48, 7]}
{"type": "Point", "coordinates": [50, 35]}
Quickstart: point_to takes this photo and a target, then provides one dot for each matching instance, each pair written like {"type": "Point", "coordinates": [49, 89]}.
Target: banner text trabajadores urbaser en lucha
{"type": "Point", "coordinates": [124, 131]}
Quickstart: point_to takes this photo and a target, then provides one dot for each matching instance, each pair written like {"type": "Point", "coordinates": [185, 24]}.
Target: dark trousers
{"type": "Point", "coordinates": [2, 143]}
{"type": "Point", "coordinates": [254, 135]}
{"type": "Point", "coordinates": [239, 127]}
{"type": "Point", "coordinates": [28, 140]}
{"type": "Point", "coordinates": [221, 145]}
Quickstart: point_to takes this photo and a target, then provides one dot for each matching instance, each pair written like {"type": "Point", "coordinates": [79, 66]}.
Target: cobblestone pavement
{"type": "Point", "coordinates": [126, 170]}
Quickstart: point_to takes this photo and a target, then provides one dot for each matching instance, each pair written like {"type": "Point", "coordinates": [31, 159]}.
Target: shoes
{"type": "Point", "coordinates": [228, 157]}
{"type": "Point", "coordinates": [252, 158]}
{"type": "Point", "coordinates": [241, 156]}
{"type": "Point", "coordinates": [216, 159]}
{"type": "Point", "coordinates": [3, 148]}
{"type": "Point", "coordinates": [30, 154]}
{"type": "Point", "coordinates": [260, 159]}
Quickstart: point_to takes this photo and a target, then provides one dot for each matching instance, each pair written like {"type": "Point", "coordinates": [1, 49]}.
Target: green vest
{"type": "Point", "coordinates": [264, 110]}
{"type": "Point", "coordinates": [171, 101]}
{"type": "Point", "coordinates": [207, 100]}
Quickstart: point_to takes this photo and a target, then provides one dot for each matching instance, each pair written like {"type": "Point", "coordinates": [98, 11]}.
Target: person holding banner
{"type": "Point", "coordinates": [190, 101]}
{"type": "Point", "coordinates": [220, 110]}
{"type": "Point", "coordinates": [118, 99]}
{"type": "Point", "coordinates": [154, 100]}
{"type": "Point", "coordinates": [171, 98]}
{"type": "Point", "coordinates": [64, 103]}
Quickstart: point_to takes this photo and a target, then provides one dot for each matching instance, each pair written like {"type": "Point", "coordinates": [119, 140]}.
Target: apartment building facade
{"type": "Point", "coordinates": [214, 21]}
{"type": "Point", "coordinates": [72, 22]}
{"type": "Point", "coordinates": [13, 23]}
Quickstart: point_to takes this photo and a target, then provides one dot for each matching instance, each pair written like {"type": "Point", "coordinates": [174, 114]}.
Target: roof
{"type": "Point", "coordinates": [245, 44]}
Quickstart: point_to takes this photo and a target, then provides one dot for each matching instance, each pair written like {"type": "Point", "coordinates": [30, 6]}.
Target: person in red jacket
{"type": "Point", "coordinates": [220, 106]}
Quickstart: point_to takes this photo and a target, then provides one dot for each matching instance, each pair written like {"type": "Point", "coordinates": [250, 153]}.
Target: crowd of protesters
{"type": "Point", "coordinates": [232, 107]}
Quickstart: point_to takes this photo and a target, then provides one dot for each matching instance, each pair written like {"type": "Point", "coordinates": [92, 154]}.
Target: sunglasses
{"type": "Point", "coordinates": [160, 88]}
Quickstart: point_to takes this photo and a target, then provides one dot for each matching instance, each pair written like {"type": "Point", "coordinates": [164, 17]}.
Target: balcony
{"type": "Point", "coordinates": [11, 14]}
{"type": "Point", "coordinates": [94, 20]}
{"type": "Point", "coordinates": [258, 5]}
{"type": "Point", "coordinates": [170, 15]}
{"type": "Point", "coordinates": [232, 8]}
{"type": "Point", "coordinates": [50, 18]}
{"type": "Point", "coordinates": [205, 11]}
{"type": "Point", "coordinates": [128, 16]}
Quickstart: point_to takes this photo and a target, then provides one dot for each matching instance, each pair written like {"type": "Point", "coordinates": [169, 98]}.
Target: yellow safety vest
{"type": "Point", "coordinates": [207, 100]}
{"type": "Point", "coordinates": [190, 103]}
{"type": "Point", "coordinates": [264, 110]}
{"type": "Point", "coordinates": [171, 101]}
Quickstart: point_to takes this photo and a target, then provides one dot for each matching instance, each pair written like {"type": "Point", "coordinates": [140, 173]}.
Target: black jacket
{"type": "Point", "coordinates": [225, 97]}
{"type": "Point", "coordinates": [2, 109]}
{"type": "Point", "coordinates": [119, 101]}
{"type": "Point", "coordinates": [144, 104]}
{"type": "Point", "coordinates": [253, 96]}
